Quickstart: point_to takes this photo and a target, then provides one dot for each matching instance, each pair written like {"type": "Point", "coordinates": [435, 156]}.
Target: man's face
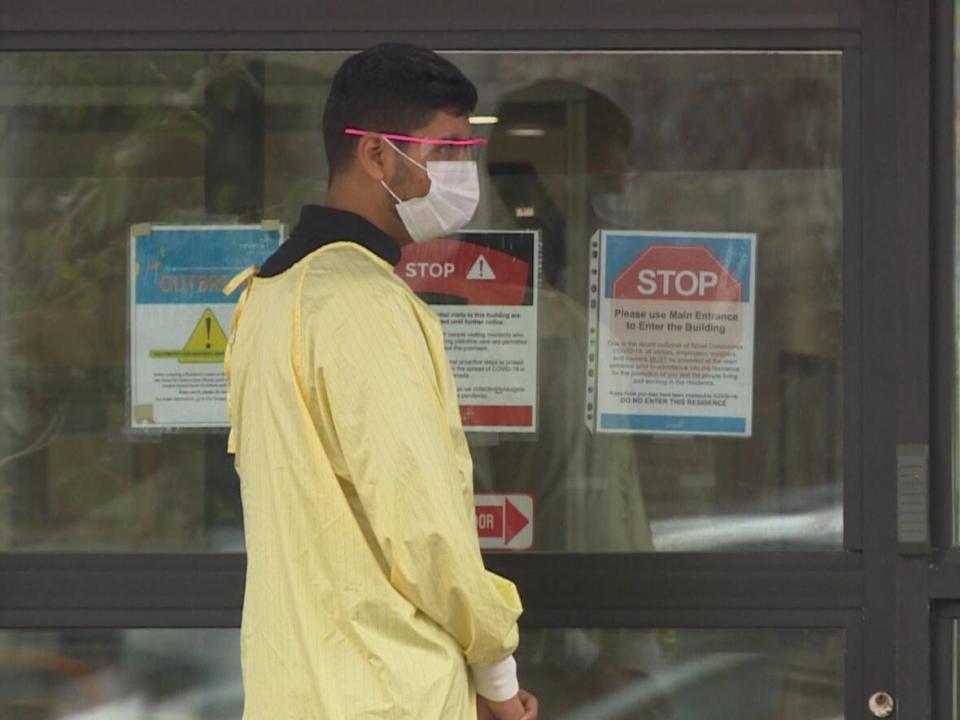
{"type": "Point", "coordinates": [406, 179]}
{"type": "Point", "coordinates": [608, 168]}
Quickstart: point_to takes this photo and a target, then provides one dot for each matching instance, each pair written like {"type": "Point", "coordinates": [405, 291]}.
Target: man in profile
{"type": "Point", "coordinates": [366, 594]}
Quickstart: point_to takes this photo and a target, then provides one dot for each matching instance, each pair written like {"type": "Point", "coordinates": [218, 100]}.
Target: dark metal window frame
{"type": "Point", "coordinates": [898, 181]}
{"type": "Point", "coordinates": [943, 627]}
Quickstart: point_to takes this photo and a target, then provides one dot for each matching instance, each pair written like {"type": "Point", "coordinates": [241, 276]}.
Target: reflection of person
{"type": "Point", "coordinates": [587, 490]}
{"type": "Point", "coordinates": [559, 152]}
{"type": "Point", "coordinates": [366, 593]}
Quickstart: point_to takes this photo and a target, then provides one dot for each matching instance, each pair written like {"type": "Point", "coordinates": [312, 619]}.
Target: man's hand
{"type": "Point", "coordinates": [523, 706]}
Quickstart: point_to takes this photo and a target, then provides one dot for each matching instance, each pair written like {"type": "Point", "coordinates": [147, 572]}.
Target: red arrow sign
{"type": "Point", "coordinates": [504, 521]}
{"type": "Point", "coordinates": [489, 521]}
{"type": "Point", "coordinates": [516, 521]}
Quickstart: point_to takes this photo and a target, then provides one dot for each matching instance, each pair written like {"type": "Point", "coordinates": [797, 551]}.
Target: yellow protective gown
{"type": "Point", "coordinates": [366, 595]}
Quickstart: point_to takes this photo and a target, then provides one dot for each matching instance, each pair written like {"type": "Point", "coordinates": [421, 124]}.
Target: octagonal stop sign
{"type": "Point", "coordinates": [678, 272]}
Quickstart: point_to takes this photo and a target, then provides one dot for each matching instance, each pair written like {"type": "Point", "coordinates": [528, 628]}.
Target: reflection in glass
{"type": "Point", "coordinates": [120, 675]}
{"type": "Point", "coordinates": [685, 674]}
{"type": "Point", "coordinates": [578, 674]}
{"type": "Point", "coordinates": [743, 142]}
{"type": "Point", "coordinates": [676, 142]}
{"type": "Point", "coordinates": [89, 145]}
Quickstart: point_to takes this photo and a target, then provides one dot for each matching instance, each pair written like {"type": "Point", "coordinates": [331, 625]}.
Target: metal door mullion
{"type": "Point", "coordinates": [772, 619]}
{"type": "Point", "coordinates": [369, 18]}
{"type": "Point", "coordinates": [852, 248]}
{"type": "Point", "coordinates": [943, 627]}
{"type": "Point", "coordinates": [879, 314]}
{"type": "Point", "coordinates": [944, 360]}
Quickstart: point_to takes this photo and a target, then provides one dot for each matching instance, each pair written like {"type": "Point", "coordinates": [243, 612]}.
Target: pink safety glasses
{"type": "Point", "coordinates": [432, 148]}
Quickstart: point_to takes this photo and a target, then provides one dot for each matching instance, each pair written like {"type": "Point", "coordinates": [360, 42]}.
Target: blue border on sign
{"type": "Point", "coordinates": [673, 423]}
{"type": "Point", "coordinates": [178, 257]}
{"type": "Point", "coordinates": [734, 252]}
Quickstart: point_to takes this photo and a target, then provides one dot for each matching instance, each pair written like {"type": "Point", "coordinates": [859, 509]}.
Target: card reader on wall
{"type": "Point", "coordinates": [913, 499]}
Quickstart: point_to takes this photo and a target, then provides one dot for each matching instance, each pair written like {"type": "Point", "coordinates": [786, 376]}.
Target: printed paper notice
{"type": "Point", "coordinates": [180, 318]}
{"type": "Point", "coordinates": [671, 333]}
{"type": "Point", "coordinates": [483, 286]}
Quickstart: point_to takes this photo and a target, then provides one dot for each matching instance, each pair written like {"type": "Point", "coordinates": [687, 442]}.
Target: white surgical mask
{"type": "Point", "coordinates": [623, 208]}
{"type": "Point", "coordinates": [448, 205]}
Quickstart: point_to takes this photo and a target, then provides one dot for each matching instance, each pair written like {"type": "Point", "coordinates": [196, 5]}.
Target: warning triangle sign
{"type": "Point", "coordinates": [207, 342]}
{"type": "Point", "coordinates": [481, 270]}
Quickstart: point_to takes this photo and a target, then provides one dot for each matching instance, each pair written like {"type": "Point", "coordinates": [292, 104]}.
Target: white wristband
{"type": "Point", "coordinates": [497, 682]}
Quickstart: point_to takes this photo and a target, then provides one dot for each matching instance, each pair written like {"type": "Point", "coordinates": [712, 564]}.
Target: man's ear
{"type": "Point", "coordinates": [371, 156]}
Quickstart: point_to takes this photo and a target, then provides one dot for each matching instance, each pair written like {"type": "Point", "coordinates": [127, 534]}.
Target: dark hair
{"type": "Point", "coordinates": [391, 87]}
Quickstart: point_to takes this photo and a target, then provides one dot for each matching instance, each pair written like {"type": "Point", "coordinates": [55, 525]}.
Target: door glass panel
{"type": "Point", "coordinates": [682, 143]}
{"type": "Point", "coordinates": [121, 674]}
{"type": "Point", "coordinates": [750, 143]}
{"type": "Point", "coordinates": [576, 673]}
{"type": "Point", "coordinates": [581, 674]}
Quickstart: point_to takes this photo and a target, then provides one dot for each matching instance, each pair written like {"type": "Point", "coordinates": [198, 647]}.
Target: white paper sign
{"type": "Point", "coordinates": [671, 333]}
{"type": "Point", "coordinates": [483, 285]}
{"type": "Point", "coordinates": [180, 318]}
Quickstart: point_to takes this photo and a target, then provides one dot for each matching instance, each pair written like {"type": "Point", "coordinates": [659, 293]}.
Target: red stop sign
{"type": "Point", "coordinates": [678, 272]}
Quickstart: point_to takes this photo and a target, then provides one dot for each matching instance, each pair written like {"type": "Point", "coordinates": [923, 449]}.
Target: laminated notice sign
{"type": "Point", "coordinates": [671, 333]}
{"type": "Point", "coordinates": [180, 318]}
{"type": "Point", "coordinates": [483, 285]}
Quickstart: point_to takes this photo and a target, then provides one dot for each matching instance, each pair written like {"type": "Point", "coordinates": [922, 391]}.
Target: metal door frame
{"type": "Point", "coordinates": [898, 324]}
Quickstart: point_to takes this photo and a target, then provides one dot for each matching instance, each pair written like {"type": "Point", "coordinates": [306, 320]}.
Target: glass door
{"type": "Point", "coordinates": [718, 364]}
